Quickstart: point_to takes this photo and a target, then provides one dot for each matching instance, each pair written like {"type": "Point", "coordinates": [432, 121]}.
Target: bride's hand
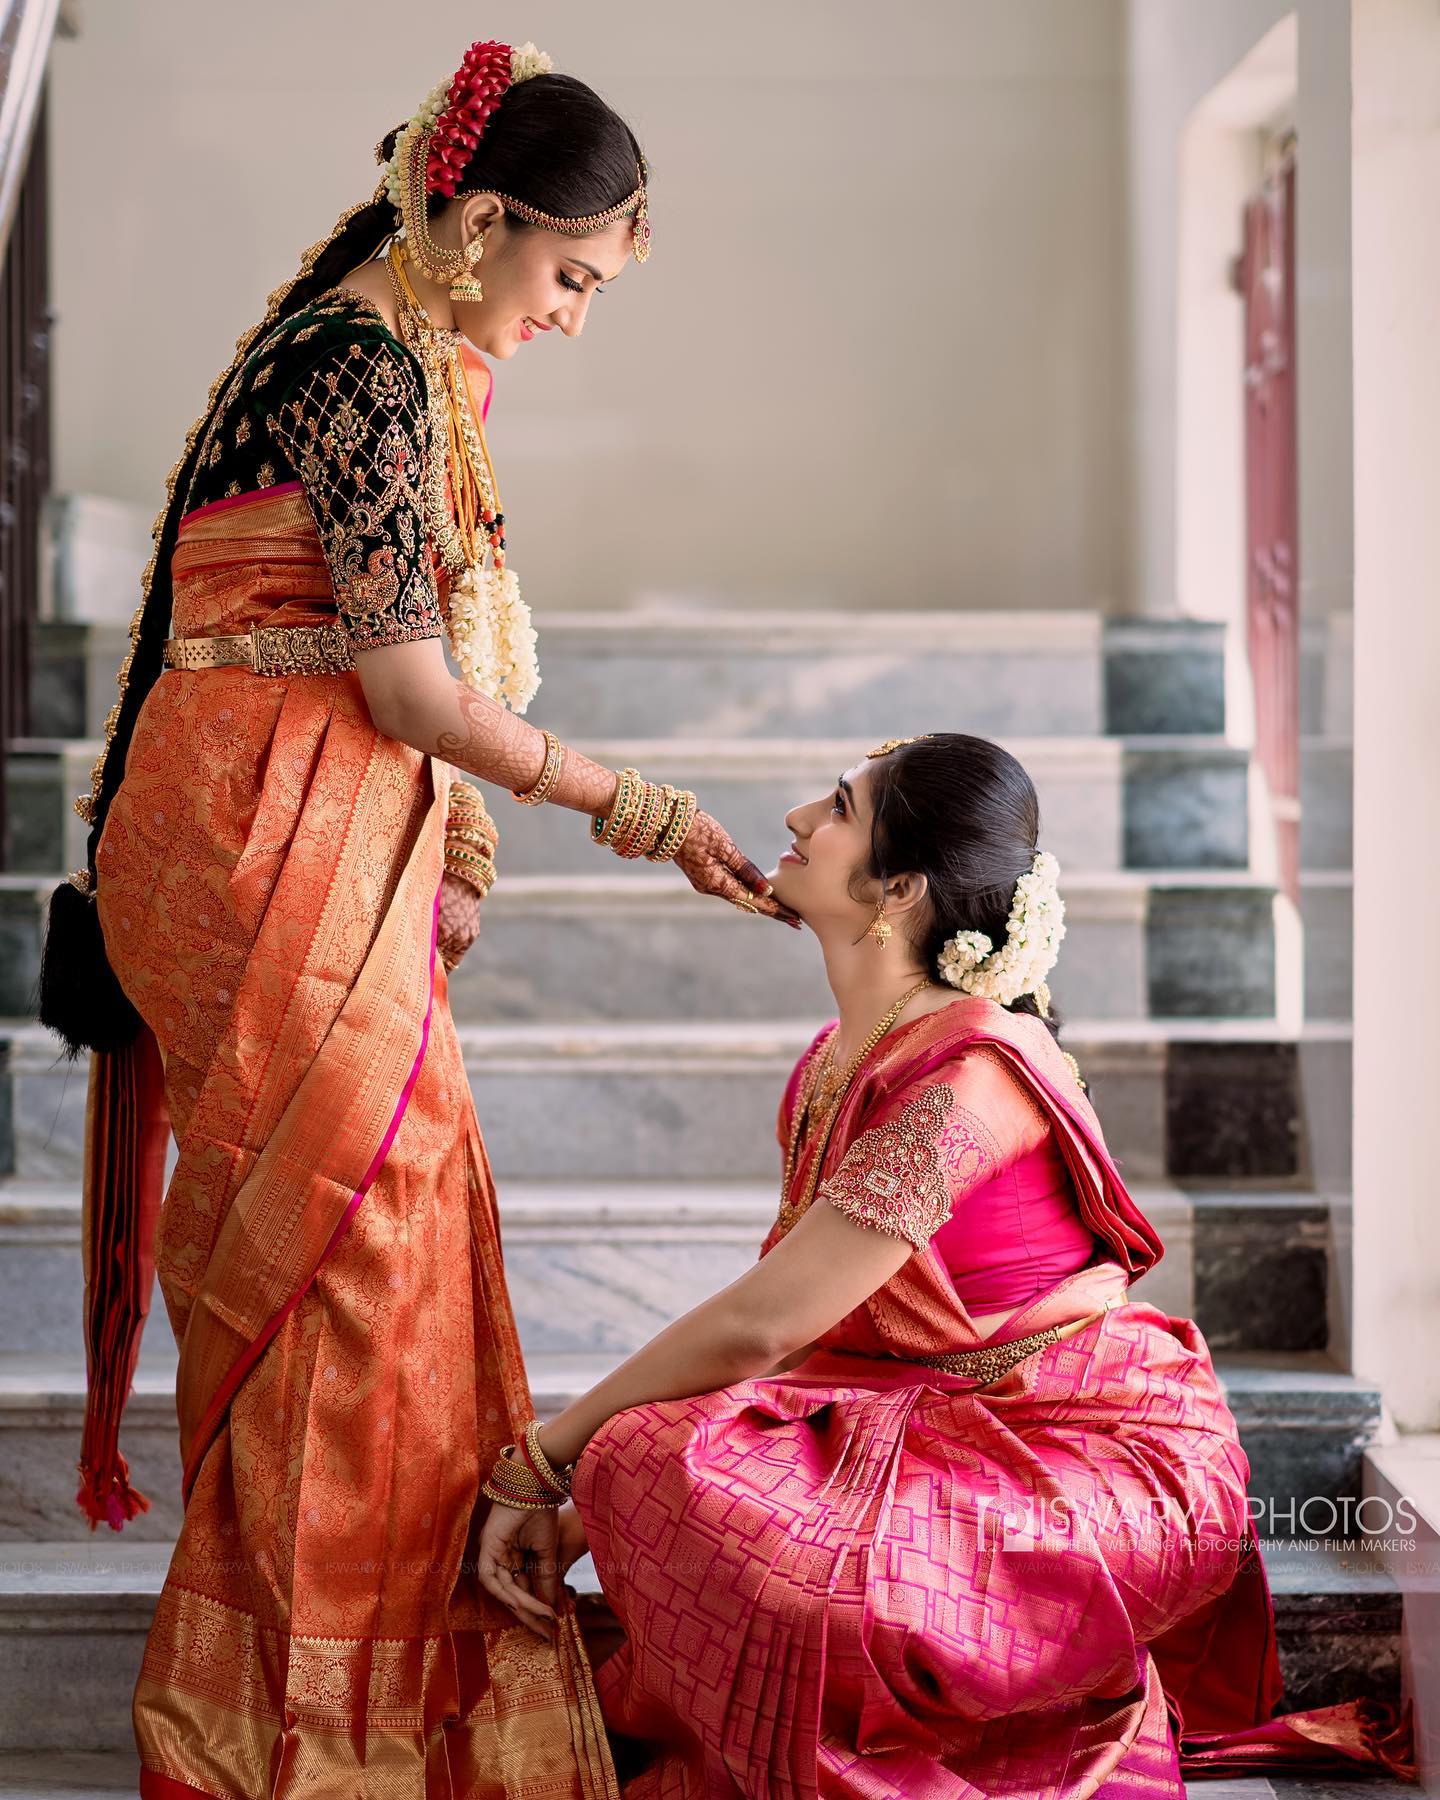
{"type": "Point", "coordinates": [517, 1556]}
{"type": "Point", "coordinates": [714, 864]}
{"type": "Point", "coordinates": [459, 923]}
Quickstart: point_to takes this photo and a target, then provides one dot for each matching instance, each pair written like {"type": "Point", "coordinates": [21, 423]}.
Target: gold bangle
{"type": "Point", "coordinates": [470, 859]}
{"type": "Point", "coordinates": [622, 814]}
{"type": "Point", "coordinates": [465, 800]}
{"type": "Point", "coordinates": [640, 800]}
{"type": "Point", "coordinates": [603, 829]}
{"type": "Point", "coordinates": [559, 1479]}
{"type": "Point", "coordinates": [647, 820]}
{"type": "Point", "coordinates": [672, 839]}
{"type": "Point", "coordinates": [470, 835]}
{"type": "Point", "coordinates": [549, 774]}
{"type": "Point", "coordinates": [479, 876]}
{"type": "Point", "coordinates": [492, 1493]}
{"type": "Point", "coordinates": [514, 1483]}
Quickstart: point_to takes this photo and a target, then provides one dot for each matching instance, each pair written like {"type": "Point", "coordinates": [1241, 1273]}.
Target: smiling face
{"type": "Point", "coordinates": [534, 280]}
{"type": "Point", "coordinates": [818, 876]}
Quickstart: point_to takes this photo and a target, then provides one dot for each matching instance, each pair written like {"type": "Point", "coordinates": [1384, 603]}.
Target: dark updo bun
{"type": "Point", "coordinates": [964, 814]}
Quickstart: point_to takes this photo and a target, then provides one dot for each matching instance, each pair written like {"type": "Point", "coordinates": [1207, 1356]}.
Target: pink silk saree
{"type": "Point", "coordinates": [327, 1249]}
{"type": "Point", "coordinates": [867, 1577]}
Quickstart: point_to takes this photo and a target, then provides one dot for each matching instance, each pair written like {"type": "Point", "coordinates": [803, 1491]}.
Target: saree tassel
{"type": "Point", "coordinates": [79, 996]}
{"type": "Point", "coordinates": [127, 1125]}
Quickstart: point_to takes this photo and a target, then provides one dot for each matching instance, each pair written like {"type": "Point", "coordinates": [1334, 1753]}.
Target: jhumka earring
{"type": "Point", "coordinates": [880, 927]}
{"type": "Point", "coordinates": [466, 287]}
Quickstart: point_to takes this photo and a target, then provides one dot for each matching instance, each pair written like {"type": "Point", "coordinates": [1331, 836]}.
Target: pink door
{"type": "Point", "coordinates": [1267, 283]}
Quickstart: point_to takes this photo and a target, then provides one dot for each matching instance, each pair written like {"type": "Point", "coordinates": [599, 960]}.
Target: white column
{"type": "Point", "coordinates": [1396, 242]}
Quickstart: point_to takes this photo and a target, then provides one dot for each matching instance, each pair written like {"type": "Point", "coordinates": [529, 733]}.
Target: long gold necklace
{"type": "Point", "coordinates": [489, 625]}
{"type": "Point", "coordinates": [454, 434]}
{"type": "Point", "coordinates": [790, 1212]}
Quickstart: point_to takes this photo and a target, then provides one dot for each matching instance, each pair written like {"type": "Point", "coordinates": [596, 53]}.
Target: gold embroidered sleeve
{"type": "Point", "coordinates": [904, 1174]}
{"type": "Point", "coordinates": [354, 427]}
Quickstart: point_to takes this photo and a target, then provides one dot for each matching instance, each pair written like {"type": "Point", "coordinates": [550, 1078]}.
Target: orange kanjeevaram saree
{"type": "Point", "coordinates": [327, 1248]}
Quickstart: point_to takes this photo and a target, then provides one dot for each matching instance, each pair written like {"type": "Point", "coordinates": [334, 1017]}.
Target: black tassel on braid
{"type": "Point", "coordinates": [79, 996]}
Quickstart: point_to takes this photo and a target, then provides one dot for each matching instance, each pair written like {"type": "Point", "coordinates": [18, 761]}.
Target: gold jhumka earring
{"type": "Point", "coordinates": [466, 285]}
{"type": "Point", "coordinates": [880, 928]}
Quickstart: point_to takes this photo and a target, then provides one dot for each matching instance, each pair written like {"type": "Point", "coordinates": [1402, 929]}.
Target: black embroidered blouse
{"type": "Point", "coordinates": [330, 397]}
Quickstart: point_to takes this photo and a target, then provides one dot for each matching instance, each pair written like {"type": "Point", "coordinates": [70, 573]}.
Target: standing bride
{"type": "Point", "coordinates": [282, 865]}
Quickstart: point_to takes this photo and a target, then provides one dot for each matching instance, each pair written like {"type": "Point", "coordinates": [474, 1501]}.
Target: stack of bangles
{"type": "Point", "coordinates": [524, 1477]}
{"type": "Point", "coordinates": [648, 819]}
{"type": "Point", "coordinates": [470, 838]}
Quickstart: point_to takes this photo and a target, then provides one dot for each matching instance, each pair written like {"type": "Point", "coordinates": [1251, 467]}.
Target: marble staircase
{"type": "Point", "coordinates": [659, 1027]}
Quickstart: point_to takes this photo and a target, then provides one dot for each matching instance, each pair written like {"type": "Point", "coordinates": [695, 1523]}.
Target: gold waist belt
{"type": "Point", "coordinates": [268, 650]}
{"type": "Point", "coordinates": [994, 1360]}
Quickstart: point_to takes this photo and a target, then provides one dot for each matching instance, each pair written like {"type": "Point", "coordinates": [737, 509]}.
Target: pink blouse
{"type": "Point", "coordinates": [969, 1164]}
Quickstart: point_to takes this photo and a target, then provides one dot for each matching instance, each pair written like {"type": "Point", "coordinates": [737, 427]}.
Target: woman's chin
{"type": "Point", "coordinates": [501, 350]}
{"type": "Point", "coordinates": [780, 889]}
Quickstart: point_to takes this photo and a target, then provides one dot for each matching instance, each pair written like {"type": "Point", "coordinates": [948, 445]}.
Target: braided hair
{"type": "Point", "coordinates": [556, 144]}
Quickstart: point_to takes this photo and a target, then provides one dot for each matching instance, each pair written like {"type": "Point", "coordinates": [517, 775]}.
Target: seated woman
{"type": "Point", "coordinates": [924, 1503]}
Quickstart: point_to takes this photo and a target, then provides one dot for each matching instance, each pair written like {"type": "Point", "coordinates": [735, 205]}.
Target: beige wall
{"type": "Point", "coordinates": [876, 357]}
{"type": "Point", "coordinates": [1397, 685]}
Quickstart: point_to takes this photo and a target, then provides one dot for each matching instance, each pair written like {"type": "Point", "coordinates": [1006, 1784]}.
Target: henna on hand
{"type": "Point", "coordinates": [713, 864]}
{"type": "Point", "coordinates": [459, 921]}
{"type": "Point", "coordinates": [494, 743]}
{"type": "Point", "coordinates": [478, 734]}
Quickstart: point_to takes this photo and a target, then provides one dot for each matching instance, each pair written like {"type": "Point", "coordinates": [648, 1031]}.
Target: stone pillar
{"type": "Point", "coordinates": [1396, 281]}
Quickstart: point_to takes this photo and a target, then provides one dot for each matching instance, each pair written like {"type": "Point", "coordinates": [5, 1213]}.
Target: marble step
{"type": "Point", "coordinates": [1172, 802]}
{"type": "Point", "coordinates": [675, 669]}
{"type": "Point", "coordinates": [1304, 1425]}
{"type": "Point", "coordinates": [602, 1266]}
{"type": "Point", "coordinates": [1198, 1101]}
{"type": "Point", "coordinates": [73, 1618]}
{"type": "Point", "coordinates": [630, 945]}
{"type": "Point", "coordinates": [641, 948]}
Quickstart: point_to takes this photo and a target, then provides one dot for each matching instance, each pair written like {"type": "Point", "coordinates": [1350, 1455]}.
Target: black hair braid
{"type": "Point", "coordinates": [78, 995]}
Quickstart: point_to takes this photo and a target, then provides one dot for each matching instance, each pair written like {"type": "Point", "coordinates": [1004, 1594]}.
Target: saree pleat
{"type": "Point", "coordinates": [328, 1245]}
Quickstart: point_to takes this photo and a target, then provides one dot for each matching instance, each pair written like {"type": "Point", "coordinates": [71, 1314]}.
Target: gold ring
{"type": "Point", "coordinates": [748, 906]}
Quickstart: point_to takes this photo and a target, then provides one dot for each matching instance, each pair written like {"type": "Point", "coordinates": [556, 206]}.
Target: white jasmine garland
{"type": "Point", "coordinates": [1032, 942]}
{"type": "Point", "coordinates": [491, 636]}
{"type": "Point", "coordinates": [424, 120]}
{"type": "Point", "coordinates": [526, 60]}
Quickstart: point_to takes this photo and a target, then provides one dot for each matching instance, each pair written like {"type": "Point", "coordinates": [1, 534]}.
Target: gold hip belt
{"type": "Point", "coordinates": [991, 1361]}
{"type": "Point", "coordinates": [268, 650]}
